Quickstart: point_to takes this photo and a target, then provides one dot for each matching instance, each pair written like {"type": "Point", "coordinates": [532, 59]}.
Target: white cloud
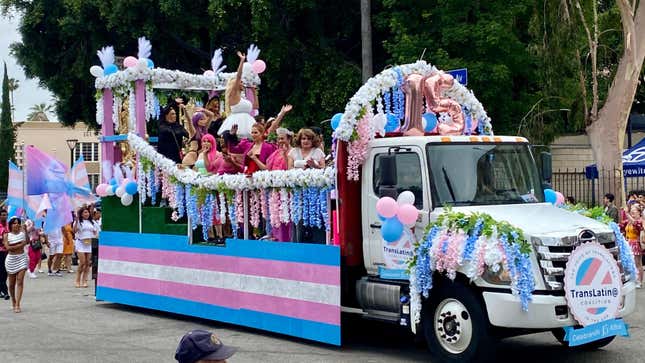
{"type": "Point", "coordinates": [29, 92]}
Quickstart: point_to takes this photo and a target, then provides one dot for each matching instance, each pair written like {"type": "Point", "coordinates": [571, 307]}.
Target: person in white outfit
{"type": "Point", "coordinates": [55, 239]}
{"type": "Point", "coordinates": [241, 108]}
{"type": "Point", "coordinates": [85, 230]}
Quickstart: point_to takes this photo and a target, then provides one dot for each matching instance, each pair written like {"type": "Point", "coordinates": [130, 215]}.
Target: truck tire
{"type": "Point", "coordinates": [597, 344]}
{"type": "Point", "coordinates": [456, 326]}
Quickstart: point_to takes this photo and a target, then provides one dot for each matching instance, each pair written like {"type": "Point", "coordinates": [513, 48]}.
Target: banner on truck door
{"type": "Point", "coordinates": [397, 253]}
{"type": "Point", "coordinates": [592, 284]}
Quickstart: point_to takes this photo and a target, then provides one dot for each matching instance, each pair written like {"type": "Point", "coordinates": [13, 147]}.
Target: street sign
{"type": "Point", "coordinates": [461, 75]}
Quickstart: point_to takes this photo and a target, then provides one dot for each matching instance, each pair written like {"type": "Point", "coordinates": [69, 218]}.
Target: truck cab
{"type": "Point", "coordinates": [495, 175]}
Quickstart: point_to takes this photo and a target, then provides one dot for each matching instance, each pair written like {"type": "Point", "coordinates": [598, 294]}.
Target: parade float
{"type": "Point", "coordinates": [430, 221]}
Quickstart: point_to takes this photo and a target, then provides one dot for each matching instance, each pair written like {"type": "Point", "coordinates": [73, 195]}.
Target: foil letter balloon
{"type": "Point", "coordinates": [413, 90]}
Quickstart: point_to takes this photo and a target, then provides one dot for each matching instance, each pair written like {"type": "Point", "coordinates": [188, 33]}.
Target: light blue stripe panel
{"type": "Point", "coordinates": [113, 138]}
{"type": "Point", "coordinates": [306, 329]}
{"type": "Point", "coordinates": [281, 251]}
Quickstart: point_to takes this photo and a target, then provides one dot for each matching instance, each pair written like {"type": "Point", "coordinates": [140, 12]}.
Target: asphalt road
{"type": "Point", "coordinates": [60, 323]}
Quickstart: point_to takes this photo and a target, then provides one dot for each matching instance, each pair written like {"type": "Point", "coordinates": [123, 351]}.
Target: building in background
{"type": "Point", "coordinates": [56, 139]}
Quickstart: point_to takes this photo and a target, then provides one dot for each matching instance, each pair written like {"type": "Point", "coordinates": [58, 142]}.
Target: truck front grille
{"type": "Point", "coordinates": [553, 257]}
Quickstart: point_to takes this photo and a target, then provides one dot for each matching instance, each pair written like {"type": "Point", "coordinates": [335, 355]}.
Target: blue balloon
{"type": "Point", "coordinates": [431, 121]}
{"type": "Point", "coordinates": [392, 229]}
{"type": "Point", "coordinates": [110, 69]}
{"type": "Point", "coordinates": [335, 120]}
{"type": "Point", "coordinates": [131, 188]}
{"type": "Point", "coordinates": [392, 123]}
{"type": "Point", "coordinates": [550, 196]}
{"type": "Point", "coordinates": [383, 219]}
{"type": "Point", "coordinates": [113, 181]}
{"type": "Point", "coordinates": [150, 63]}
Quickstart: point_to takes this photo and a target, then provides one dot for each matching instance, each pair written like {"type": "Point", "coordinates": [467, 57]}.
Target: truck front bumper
{"type": "Point", "coordinates": [504, 309]}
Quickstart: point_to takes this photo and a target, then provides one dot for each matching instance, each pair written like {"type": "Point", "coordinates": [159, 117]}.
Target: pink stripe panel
{"type": "Point", "coordinates": [607, 279]}
{"type": "Point", "coordinates": [591, 272]}
{"type": "Point", "coordinates": [321, 274]}
{"type": "Point", "coordinates": [233, 299]}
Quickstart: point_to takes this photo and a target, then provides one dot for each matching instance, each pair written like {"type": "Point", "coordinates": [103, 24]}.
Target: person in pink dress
{"type": "Point", "coordinates": [279, 160]}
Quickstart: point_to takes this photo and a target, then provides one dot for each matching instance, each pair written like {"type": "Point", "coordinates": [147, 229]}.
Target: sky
{"type": "Point", "coordinates": [29, 93]}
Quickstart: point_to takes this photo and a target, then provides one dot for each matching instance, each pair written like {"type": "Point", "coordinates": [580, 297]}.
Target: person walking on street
{"type": "Point", "coordinates": [68, 247]}
{"type": "Point", "coordinates": [610, 208]}
{"type": "Point", "coordinates": [55, 239]}
{"type": "Point", "coordinates": [4, 228]}
{"type": "Point", "coordinates": [14, 242]}
{"type": "Point", "coordinates": [85, 230]}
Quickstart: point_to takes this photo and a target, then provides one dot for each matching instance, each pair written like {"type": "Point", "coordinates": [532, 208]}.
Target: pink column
{"type": "Point", "coordinates": [140, 109]}
{"type": "Point", "coordinates": [107, 129]}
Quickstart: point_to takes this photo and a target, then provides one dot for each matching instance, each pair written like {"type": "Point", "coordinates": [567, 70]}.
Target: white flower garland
{"type": "Point", "coordinates": [165, 78]}
{"type": "Point", "coordinates": [259, 180]}
{"type": "Point", "coordinates": [99, 110]}
{"type": "Point", "coordinates": [285, 216]}
{"type": "Point", "coordinates": [384, 81]}
{"type": "Point", "coordinates": [150, 103]}
{"type": "Point", "coordinates": [132, 119]}
{"type": "Point", "coordinates": [116, 110]}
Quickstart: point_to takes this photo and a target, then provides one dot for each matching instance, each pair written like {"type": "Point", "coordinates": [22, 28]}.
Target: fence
{"type": "Point", "coordinates": [574, 183]}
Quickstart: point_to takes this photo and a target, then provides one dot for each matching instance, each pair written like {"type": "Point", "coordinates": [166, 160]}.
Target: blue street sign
{"type": "Point", "coordinates": [461, 75]}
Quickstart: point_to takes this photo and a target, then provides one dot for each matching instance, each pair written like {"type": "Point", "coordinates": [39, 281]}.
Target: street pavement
{"type": "Point", "coordinates": [60, 323]}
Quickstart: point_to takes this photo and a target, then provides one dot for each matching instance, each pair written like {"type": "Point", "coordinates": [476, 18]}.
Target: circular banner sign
{"type": "Point", "coordinates": [592, 284]}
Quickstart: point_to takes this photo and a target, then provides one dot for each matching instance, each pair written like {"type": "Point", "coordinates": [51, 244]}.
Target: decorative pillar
{"type": "Point", "coordinates": [140, 109]}
{"type": "Point", "coordinates": [107, 129]}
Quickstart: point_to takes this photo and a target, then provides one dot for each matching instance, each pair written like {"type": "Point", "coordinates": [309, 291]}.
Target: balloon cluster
{"type": "Point", "coordinates": [125, 191]}
{"type": "Point", "coordinates": [396, 214]}
{"type": "Point", "coordinates": [553, 197]}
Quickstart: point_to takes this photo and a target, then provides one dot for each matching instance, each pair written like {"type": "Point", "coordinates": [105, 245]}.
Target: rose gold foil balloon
{"type": "Point", "coordinates": [413, 90]}
{"type": "Point", "coordinates": [456, 127]}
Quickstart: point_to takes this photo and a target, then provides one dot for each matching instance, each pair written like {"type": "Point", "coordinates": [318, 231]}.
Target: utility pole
{"type": "Point", "coordinates": [366, 39]}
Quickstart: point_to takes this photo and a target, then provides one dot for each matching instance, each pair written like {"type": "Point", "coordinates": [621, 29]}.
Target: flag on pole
{"type": "Point", "coordinates": [59, 213]}
{"type": "Point", "coordinates": [81, 192]}
{"type": "Point", "coordinates": [44, 173]}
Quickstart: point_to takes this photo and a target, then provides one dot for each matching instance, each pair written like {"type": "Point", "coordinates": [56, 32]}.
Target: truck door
{"type": "Point", "coordinates": [412, 175]}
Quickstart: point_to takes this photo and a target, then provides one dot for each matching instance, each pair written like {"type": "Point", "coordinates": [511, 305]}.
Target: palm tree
{"type": "Point", "coordinates": [39, 112]}
{"type": "Point", "coordinates": [13, 85]}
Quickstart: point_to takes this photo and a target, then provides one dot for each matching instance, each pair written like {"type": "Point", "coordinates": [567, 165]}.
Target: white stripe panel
{"type": "Point", "coordinates": [298, 290]}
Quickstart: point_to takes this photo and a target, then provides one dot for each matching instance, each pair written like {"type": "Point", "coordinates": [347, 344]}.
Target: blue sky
{"type": "Point", "coordinates": [29, 92]}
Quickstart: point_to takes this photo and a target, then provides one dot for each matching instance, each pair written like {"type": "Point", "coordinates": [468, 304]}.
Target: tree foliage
{"type": "Point", "coordinates": [524, 60]}
{"type": "Point", "coordinates": [7, 133]}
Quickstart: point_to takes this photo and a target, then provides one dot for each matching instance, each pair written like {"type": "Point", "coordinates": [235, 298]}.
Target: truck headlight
{"type": "Point", "coordinates": [501, 277]}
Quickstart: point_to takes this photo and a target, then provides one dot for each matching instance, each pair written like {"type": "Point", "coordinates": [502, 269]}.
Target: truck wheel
{"type": "Point", "coordinates": [456, 326]}
{"type": "Point", "coordinates": [597, 344]}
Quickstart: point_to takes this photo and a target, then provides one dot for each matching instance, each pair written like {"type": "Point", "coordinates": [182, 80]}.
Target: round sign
{"type": "Point", "coordinates": [592, 284]}
{"type": "Point", "coordinates": [397, 253]}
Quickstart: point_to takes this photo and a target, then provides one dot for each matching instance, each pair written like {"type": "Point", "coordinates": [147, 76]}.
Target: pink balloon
{"type": "Point", "coordinates": [209, 73]}
{"type": "Point", "coordinates": [407, 214]}
{"type": "Point", "coordinates": [130, 62]}
{"type": "Point", "coordinates": [559, 198]}
{"type": "Point", "coordinates": [387, 207]}
{"type": "Point", "coordinates": [259, 66]}
{"type": "Point", "coordinates": [100, 190]}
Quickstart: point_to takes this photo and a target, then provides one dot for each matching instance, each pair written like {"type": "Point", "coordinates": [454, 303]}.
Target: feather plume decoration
{"type": "Point", "coordinates": [216, 61]}
{"type": "Point", "coordinates": [145, 48]}
{"type": "Point", "coordinates": [252, 53]}
{"type": "Point", "coordinates": [106, 55]}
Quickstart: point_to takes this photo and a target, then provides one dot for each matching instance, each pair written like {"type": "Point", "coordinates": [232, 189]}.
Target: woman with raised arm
{"type": "Point", "coordinates": [197, 127]}
{"type": "Point", "coordinates": [16, 263]}
{"type": "Point", "coordinates": [241, 108]}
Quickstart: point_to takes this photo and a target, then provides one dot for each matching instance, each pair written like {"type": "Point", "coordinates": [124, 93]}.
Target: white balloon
{"type": "Point", "coordinates": [143, 63]}
{"type": "Point", "coordinates": [379, 122]}
{"type": "Point", "coordinates": [109, 190]}
{"type": "Point", "coordinates": [406, 197]}
{"type": "Point", "coordinates": [126, 199]}
{"type": "Point", "coordinates": [120, 191]}
{"type": "Point", "coordinates": [96, 71]}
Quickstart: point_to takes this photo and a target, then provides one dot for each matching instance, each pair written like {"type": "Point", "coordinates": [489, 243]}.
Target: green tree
{"type": "Point", "coordinates": [39, 111]}
{"type": "Point", "coordinates": [13, 85]}
{"type": "Point", "coordinates": [7, 133]}
{"type": "Point", "coordinates": [312, 48]}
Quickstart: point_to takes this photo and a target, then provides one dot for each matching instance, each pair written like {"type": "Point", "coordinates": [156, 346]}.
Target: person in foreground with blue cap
{"type": "Point", "coordinates": [201, 346]}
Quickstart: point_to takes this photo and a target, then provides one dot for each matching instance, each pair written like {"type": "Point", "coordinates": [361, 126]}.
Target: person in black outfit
{"type": "Point", "coordinates": [213, 105]}
{"type": "Point", "coordinates": [171, 134]}
{"type": "Point", "coordinates": [4, 227]}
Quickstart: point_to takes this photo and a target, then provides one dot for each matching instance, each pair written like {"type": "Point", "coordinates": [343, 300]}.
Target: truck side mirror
{"type": "Point", "coordinates": [387, 178]}
{"type": "Point", "coordinates": [547, 167]}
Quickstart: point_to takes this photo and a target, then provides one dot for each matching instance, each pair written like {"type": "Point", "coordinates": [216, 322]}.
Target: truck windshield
{"type": "Point", "coordinates": [483, 174]}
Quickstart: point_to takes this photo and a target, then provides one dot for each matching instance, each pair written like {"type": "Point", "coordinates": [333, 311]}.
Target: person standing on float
{"type": "Point", "coordinates": [240, 107]}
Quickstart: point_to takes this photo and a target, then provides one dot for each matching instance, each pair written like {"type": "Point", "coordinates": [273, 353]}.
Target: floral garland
{"type": "Point", "coordinates": [473, 242]}
{"type": "Point", "coordinates": [323, 195]}
{"type": "Point", "coordinates": [357, 149]}
{"type": "Point", "coordinates": [174, 79]}
{"type": "Point", "coordinates": [180, 198]}
{"type": "Point", "coordinates": [274, 208]}
{"type": "Point", "coordinates": [150, 109]}
{"type": "Point", "coordinates": [116, 110]}
{"type": "Point", "coordinates": [292, 178]}
{"type": "Point", "coordinates": [132, 116]}
{"type": "Point", "coordinates": [222, 207]}
{"type": "Point", "coordinates": [99, 109]}
{"type": "Point", "coordinates": [254, 203]}
{"type": "Point", "coordinates": [239, 207]}
{"type": "Point", "coordinates": [284, 206]}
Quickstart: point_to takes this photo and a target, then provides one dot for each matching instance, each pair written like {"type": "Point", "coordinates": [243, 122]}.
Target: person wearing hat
{"type": "Point", "coordinates": [201, 346]}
